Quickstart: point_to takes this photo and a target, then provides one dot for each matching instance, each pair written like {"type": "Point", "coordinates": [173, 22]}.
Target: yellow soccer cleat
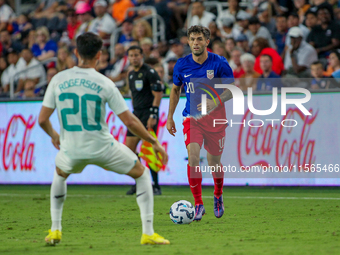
{"type": "Point", "coordinates": [53, 237]}
{"type": "Point", "coordinates": [153, 239]}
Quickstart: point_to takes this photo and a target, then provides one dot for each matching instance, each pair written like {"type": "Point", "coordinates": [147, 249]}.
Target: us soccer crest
{"type": "Point", "coordinates": [210, 74]}
{"type": "Point", "coordinates": [139, 85]}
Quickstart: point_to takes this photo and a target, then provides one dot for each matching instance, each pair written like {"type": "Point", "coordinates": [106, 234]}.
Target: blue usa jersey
{"type": "Point", "coordinates": [200, 79]}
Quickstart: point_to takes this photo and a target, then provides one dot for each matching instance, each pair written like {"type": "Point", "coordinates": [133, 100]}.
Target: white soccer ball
{"type": "Point", "coordinates": [182, 212]}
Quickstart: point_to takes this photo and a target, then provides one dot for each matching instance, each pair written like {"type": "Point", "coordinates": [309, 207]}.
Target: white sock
{"type": "Point", "coordinates": [144, 196]}
{"type": "Point", "coordinates": [57, 198]}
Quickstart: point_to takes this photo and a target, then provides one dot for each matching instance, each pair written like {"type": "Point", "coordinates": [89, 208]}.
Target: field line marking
{"type": "Point", "coordinates": [165, 196]}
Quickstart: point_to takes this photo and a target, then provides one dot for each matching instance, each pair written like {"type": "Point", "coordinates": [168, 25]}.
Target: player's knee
{"type": "Point", "coordinates": [194, 160]}
{"type": "Point", "coordinates": [61, 173]}
{"type": "Point", "coordinates": [137, 170]}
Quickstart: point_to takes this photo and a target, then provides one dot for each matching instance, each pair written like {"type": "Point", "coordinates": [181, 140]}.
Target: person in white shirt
{"type": "Point", "coordinates": [227, 28]}
{"type": "Point", "coordinates": [34, 69]}
{"type": "Point", "coordinates": [6, 13]}
{"type": "Point", "coordinates": [200, 16]}
{"type": "Point", "coordinates": [11, 71]}
{"type": "Point", "coordinates": [300, 54]}
{"type": "Point", "coordinates": [103, 25]}
{"type": "Point", "coordinates": [256, 30]}
{"type": "Point", "coordinates": [79, 95]}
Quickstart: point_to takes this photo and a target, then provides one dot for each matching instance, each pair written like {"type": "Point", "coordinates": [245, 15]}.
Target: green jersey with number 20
{"type": "Point", "coordinates": [80, 95]}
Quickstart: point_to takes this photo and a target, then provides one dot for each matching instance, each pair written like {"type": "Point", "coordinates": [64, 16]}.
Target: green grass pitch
{"type": "Point", "coordinates": [103, 220]}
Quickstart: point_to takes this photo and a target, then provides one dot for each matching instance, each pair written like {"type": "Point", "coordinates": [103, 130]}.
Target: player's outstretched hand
{"type": "Point", "coordinates": [158, 148]}
{"type": "Point", "coordinates": [170, 125]}
{"type": "Point", "coordinates": [55, 140]}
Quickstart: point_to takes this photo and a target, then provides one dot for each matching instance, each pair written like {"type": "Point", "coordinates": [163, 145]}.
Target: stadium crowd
{"type": "Point", "coordinates": [283, 39]}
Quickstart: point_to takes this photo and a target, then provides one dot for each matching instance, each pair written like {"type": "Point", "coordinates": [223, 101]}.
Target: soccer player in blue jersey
{"type": "Point", "coordinates": [198, 72]}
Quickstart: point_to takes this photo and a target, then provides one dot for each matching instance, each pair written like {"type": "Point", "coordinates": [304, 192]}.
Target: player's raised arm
{"type": "Point", "coordinates": [174, 98]}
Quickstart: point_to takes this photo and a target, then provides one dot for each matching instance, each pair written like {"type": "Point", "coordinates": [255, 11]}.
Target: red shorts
{"type": "Point", "coordinates": [195, 133]}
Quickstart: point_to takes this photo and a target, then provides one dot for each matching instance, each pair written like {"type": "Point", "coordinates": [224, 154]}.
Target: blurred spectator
{"type": "Point", "coordinates": [319, 80]}
{"type": "Point", "coordinates": [125, 36]}
{"type": "Point", "coordinates": [264, 13]}
{"type": "Point", "coordinates": [72, 23]}
{"type": "Point", "coordinates": [32, 35]}
{"type": "Point", "coordinates": [229, 45]}
{"type": "Point", "coordinates": [319, 4]}
{"type": "Point", "coordinates": [40, 92]}
{"type": "Point", "coordinates": [6, 14]}
{"type": "Point", "coordinates": [83, 10]}
{"type": "Point", "coordinates": [260, 47]}
{"type": "Point", "coordinates": [300, 55]}
{"type": "Point", "coordinates": [29, 87]}
{"type": "Point", "coordinates": [227, 28]}
{"type": "Point", "coordinates": [281, 33]}
{"type": "Point", "coordinates": [333, 63]}
{"type": "Point", "coordinates": [249, 78]}
{"type": "Point", "coordinates": [256, 31]}
{"type": "Point", "coordinates": [234, 9]}
{"type": "Point", "coordinates": [46, 9]}
{"type": "Point", "coordinates": [3, 66]}
{"type": "Point", "coordinates": [324, 37]}
{"type": "Point", "coordinates": [119, 8]}
{"type": "Point", "coordinates": [242, 19]}
{"type": "Point", "coordinates": [103, 25]}
{"type": "Point", "coordinates": [103, 66]}
{"type": "Point", "coordinates": [199, 16]}
{"type": "Point", "coordinates": [8, 43]}
{"type": "Point", "coordinates": [218, 48]}
{"type": "Point", "coordinates": [268, 79]}
{"type": "Point", "coordinates": [302, 6]}
{"type": "Point", "coordinates": [34, 69]}
{"type": "Point", "coordinates": [65, 60]}
{"type": "Point", "coordinates": [160, 70]}
{"type": "Point", "coordinates": [242, 42]}
{"type": "Point", "coordinates": [235, 62]}
{"type": "Point", "coordinates": [120, 66]}
{"type": "Point", "coordinates": [311, 20]}
{"type": "Point", "coordinates": [170, 70]}
{"type": "Point", "coordinates": [11, 71]}
{"type": "Point", "coordinates": [21, 27]}
{"type": "Point", "coordinates": [214, 34]}
{"type": "Point", "coordinates": [151, 61]}
{"type": "Point", "coordinates": [176, 49]}
{"type": "Point", "coordinates": [293, 21]}
{"type": "Point", "coordinates": [141, 29]}
{"type": "Point", "coordinates": [44, 48]}
{"type": "Point", "coordinates": [146, 45]}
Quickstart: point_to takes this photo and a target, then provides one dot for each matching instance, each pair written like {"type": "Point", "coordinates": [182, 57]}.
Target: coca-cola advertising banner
{"type": "Point", "coordinates": [291, 149]}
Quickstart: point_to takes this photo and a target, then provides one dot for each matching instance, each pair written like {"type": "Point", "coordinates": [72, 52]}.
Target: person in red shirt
{"type": "Point", "coordinates": [72, 23]}
{"type": "Point", "coordinates": [261, 47]}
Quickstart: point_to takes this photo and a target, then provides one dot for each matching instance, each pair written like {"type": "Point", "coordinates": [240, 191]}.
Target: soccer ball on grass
{"type": "Point", "coordinates": [182, 212]}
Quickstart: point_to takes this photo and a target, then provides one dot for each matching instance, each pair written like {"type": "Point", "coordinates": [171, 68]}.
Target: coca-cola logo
{"type": "Point", "coordinates": [290, 146]}
{"type": "Point", "coordinates": [16, 149]}
{"type": "Point", "coordinates": [118, 130]}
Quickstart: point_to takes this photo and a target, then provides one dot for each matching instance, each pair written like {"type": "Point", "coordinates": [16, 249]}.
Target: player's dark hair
{"type": "Point", "coordinates": [135, 47]}
{"type": "Point", "coordinates": [88, 45]}
{"type": "Point", "coordinates": [199, 30]}
{"type": "Point", "coordinates": [266, 55]}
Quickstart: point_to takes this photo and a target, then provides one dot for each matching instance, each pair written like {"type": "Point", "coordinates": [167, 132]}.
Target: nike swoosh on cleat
{"type": "Point", "coordinates": [59, 196]}
{"type": "Point", "coordinates": [140, 194]}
